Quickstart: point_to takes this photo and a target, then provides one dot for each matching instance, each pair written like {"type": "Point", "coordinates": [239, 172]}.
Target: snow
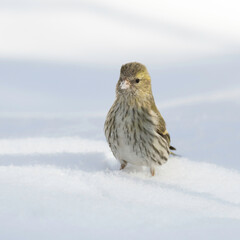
{"type": "Point", "coordinates": [75, 199]}
{"type": "Point", "coordinates": [103, 33]}
{"type": "Point", "coordinates": [229, 95]}
{"type": "Point", "coordinates": [51, 146]}
{"type": "Point", "coordinates": [56, 187]}
{"type": "Point", "coordinates": [58, 178]}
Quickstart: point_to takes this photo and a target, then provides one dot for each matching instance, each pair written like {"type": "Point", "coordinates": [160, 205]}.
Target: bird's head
{"type": "Point", "coordinates": [134, 80]}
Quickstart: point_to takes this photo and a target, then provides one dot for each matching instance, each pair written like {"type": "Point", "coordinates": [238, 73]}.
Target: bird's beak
{"type": "Point", "coordinates": [125, 84]}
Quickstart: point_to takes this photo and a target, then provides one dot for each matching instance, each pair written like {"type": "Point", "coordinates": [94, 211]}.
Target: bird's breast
{"type": "Point", "coordinates": [133, 136]}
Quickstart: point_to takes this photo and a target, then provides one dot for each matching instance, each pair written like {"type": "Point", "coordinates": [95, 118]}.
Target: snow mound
{"type": "Point", "coordinates": [74, 185]}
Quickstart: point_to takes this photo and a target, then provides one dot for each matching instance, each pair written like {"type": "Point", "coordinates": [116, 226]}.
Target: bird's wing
{"type": "Point", "coordinates": [161, 127]}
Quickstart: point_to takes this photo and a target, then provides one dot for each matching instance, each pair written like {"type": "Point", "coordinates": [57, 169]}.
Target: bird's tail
{"type": "Point", "coordinates": [172, 153]}
{"type": "Point", "coordinates": [172, 148]}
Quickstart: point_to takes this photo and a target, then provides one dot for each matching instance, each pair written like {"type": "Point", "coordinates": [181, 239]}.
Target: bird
{"type": "Point", "coordinates": [134, 128]}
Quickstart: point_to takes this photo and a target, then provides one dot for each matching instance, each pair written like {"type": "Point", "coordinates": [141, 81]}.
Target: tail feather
{"type": "Point", "coordinates": [172, 148]}
{"type": "Point", "coordinates": [172, 153]}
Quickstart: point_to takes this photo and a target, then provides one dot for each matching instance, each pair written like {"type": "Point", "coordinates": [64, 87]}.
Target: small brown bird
{"type": "Point", "coordinates": [134, 128]}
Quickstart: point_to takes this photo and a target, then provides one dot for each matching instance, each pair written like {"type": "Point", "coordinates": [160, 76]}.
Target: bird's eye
{"type": "Point", "coordinates": [137, 80]}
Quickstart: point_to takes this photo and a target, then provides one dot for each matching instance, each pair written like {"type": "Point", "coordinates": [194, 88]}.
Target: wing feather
{"type": "Point", "coordinates": [161, 127]}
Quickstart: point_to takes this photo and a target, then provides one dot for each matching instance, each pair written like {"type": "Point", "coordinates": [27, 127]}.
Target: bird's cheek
{"type": "Point", "coordinates": [125, 84]}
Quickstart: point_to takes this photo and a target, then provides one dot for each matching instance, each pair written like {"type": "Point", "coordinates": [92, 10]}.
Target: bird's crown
{"type": "Point", "coordinates": [132, 69]}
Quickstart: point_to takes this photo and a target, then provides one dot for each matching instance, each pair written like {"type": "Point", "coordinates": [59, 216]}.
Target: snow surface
{"type": "Point", "coordinates": [55, 187]}
{"type": "Point", "coordinates": [59, 180]}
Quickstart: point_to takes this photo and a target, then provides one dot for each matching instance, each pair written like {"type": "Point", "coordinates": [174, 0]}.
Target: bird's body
{"type": "Point", "coordinates": [134, 128]}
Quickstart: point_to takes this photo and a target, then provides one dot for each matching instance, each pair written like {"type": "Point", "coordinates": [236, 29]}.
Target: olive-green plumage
{"type": "Point", "coordinates": [134, 128]}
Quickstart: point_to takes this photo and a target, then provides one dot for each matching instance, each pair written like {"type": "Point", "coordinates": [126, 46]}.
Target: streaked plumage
{"type": "Point", "coordinates": [134, 128]}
